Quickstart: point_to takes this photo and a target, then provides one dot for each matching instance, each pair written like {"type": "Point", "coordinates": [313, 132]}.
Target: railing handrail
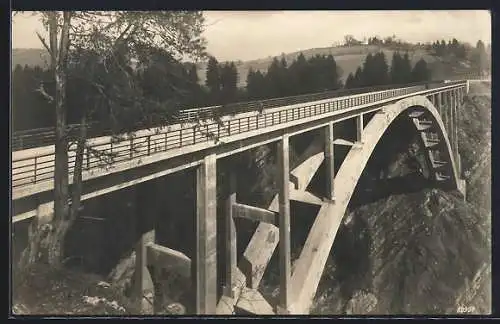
{"type": "Point", "coordinates": [175, 136]}
{"type": "Point", "coordinates": [48, 133]}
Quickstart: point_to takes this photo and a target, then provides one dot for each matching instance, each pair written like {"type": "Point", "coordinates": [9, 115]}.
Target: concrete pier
{"type": "Point", "coordinates": [206, 236]}
{"type": "Point", "coordinates": [284, 224]}
{"type": "Point", "coordinates": [359, 129]}
{"type": "Point", "coordinates": [230, 240]}
{"type": "Point", "coordinates": [144, 288]}
{"type": "Point", "coordinates": [329, 162]}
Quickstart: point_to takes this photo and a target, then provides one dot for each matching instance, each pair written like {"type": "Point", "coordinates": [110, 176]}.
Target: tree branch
{"type": "Point", "coordinates": [64, 41]}
{"type": "Point", "coordinates": [42, 91]}
{"type": "Point", "coordinates": [44, 43]}
{"type": "Point", "coordinates": [52, 22]}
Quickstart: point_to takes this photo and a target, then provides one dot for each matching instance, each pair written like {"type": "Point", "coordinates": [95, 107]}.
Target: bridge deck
{"type": "Point", "coordinates": [32, 169]}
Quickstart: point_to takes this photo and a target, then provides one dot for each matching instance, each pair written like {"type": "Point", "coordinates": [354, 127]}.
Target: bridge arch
{"type": "Point", "coordinates": [309, 267]}
{"type": "Point", "coordinates": [357, 158]}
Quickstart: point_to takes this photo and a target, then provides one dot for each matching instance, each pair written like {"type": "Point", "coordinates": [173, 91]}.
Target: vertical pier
{"type": "Point", "coordinates": [359, 129]}
{"type": "Point", "coordinates": [206, 239]}
{"type": "Point", "coordinates": [284, 225]}
{"type": "Point", "coordinates": [439, 105]}
{"type": "Point", "coordinates": [456, 104]}
{"type": "Point", "coordinates": [143, 287]}
{"type": "Point", "coordinates": [230, 239]}
{"type": "Point", "coordinates": [329, 162]}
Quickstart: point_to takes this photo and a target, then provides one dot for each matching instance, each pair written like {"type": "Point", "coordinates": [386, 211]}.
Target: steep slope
{"type": "Point", "coordinates": [412, 253]}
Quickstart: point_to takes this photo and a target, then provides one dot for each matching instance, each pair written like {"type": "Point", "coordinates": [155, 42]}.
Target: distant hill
{"type": "Point", "coordinates": [347, 58]}
{"type": "Point", "coordinates": [29, 56]}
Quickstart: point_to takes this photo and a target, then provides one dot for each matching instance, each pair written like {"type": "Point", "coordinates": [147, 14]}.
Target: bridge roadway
{"type": "Point", "coordinates": [154, 153]}
{"type": "Point", "coordinates": [433, 113]}
{"type": "Point", "coordinates": [32, 138]}
{"type": "Point", "coordinates": [46, 136]}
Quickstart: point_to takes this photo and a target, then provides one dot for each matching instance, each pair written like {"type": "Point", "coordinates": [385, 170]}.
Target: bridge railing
{"type": "Point", "coordinates": [31, 168]}
{"type": "Point", "coordinates": [46, 136]}
{"type": "Point", "coordinates": [43, 136]}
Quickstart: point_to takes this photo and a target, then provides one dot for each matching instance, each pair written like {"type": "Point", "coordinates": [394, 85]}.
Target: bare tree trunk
{"type": "Point", "coordinates": [61, 208]}
{"type": "Point", "coordinates": [76, 193]}
{"type": "Point", "coordinates": [46, 241]}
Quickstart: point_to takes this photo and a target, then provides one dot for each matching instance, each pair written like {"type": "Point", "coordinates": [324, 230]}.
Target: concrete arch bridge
{"type": "Point", "coordinates": [434, 115]}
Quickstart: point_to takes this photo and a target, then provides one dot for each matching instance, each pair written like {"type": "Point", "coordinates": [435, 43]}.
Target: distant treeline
{"type": "Point", "coordinates": [165, 81]}
{"type": "Point", "coordinates": [375, 71]}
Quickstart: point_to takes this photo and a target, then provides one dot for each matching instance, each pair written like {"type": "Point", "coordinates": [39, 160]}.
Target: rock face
{"type": "Point", "coordinates": [361, 303]}
{"type": "Point", "coordinates": [413, 252]}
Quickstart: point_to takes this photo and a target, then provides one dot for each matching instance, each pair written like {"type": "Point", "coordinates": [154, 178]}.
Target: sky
{"type": "Point", "coordinates": [248, 35]}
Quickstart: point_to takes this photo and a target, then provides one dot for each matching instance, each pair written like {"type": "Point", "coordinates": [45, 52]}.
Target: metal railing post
{"type": "Point", "coordinates": [34, 180]}
{"type": "Point", "coordinates": [149, 144]}
{"type": "Point", "coordinates": [131, 147]}
{"type": "Point", "coordinates": [88, 158]}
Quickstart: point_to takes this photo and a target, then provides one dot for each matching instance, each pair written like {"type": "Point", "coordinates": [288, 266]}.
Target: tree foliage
{"type": "Point", "coordinates": [213, 81]}
{"type": "Point", "coordinates": [98, 51]}
{"type": "Point", "coordinates": [420, 71]}
{"type": "Point", "coordinates": [316, 74]}
{"type": "Point", "coordinates": [229, 82]}
{"type": "Point", "coordinates": [375, 71]}
{"type": "Point", "coordinates": [400, 72]}
{"type": "Point", "coordinates": [479, 58]}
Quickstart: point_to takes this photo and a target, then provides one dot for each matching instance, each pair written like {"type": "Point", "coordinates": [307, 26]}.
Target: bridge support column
{"type": "Point", "coordinates": [230, 232]}
{"type": "Point", "coordinates": [439, 104]}
{"type": "Point", "coordinates": [456, 123]}
{"type": "Point", "coordinates": [144, 288]}
{"type": "Point", "coordinates": [284, 225]}
{"type": "Point", "coordinates": [359, 129]}
{"type": "Point", "coordinates": [449, 117]}
{"type": "Point", "coordinates": [206, 236]}
{"type": "Point", "coordinates": [329, 162]}
{"type": "Point", "coordinates": [453, 117]}
{"type": "Point", "coordinates": [451, 126]}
